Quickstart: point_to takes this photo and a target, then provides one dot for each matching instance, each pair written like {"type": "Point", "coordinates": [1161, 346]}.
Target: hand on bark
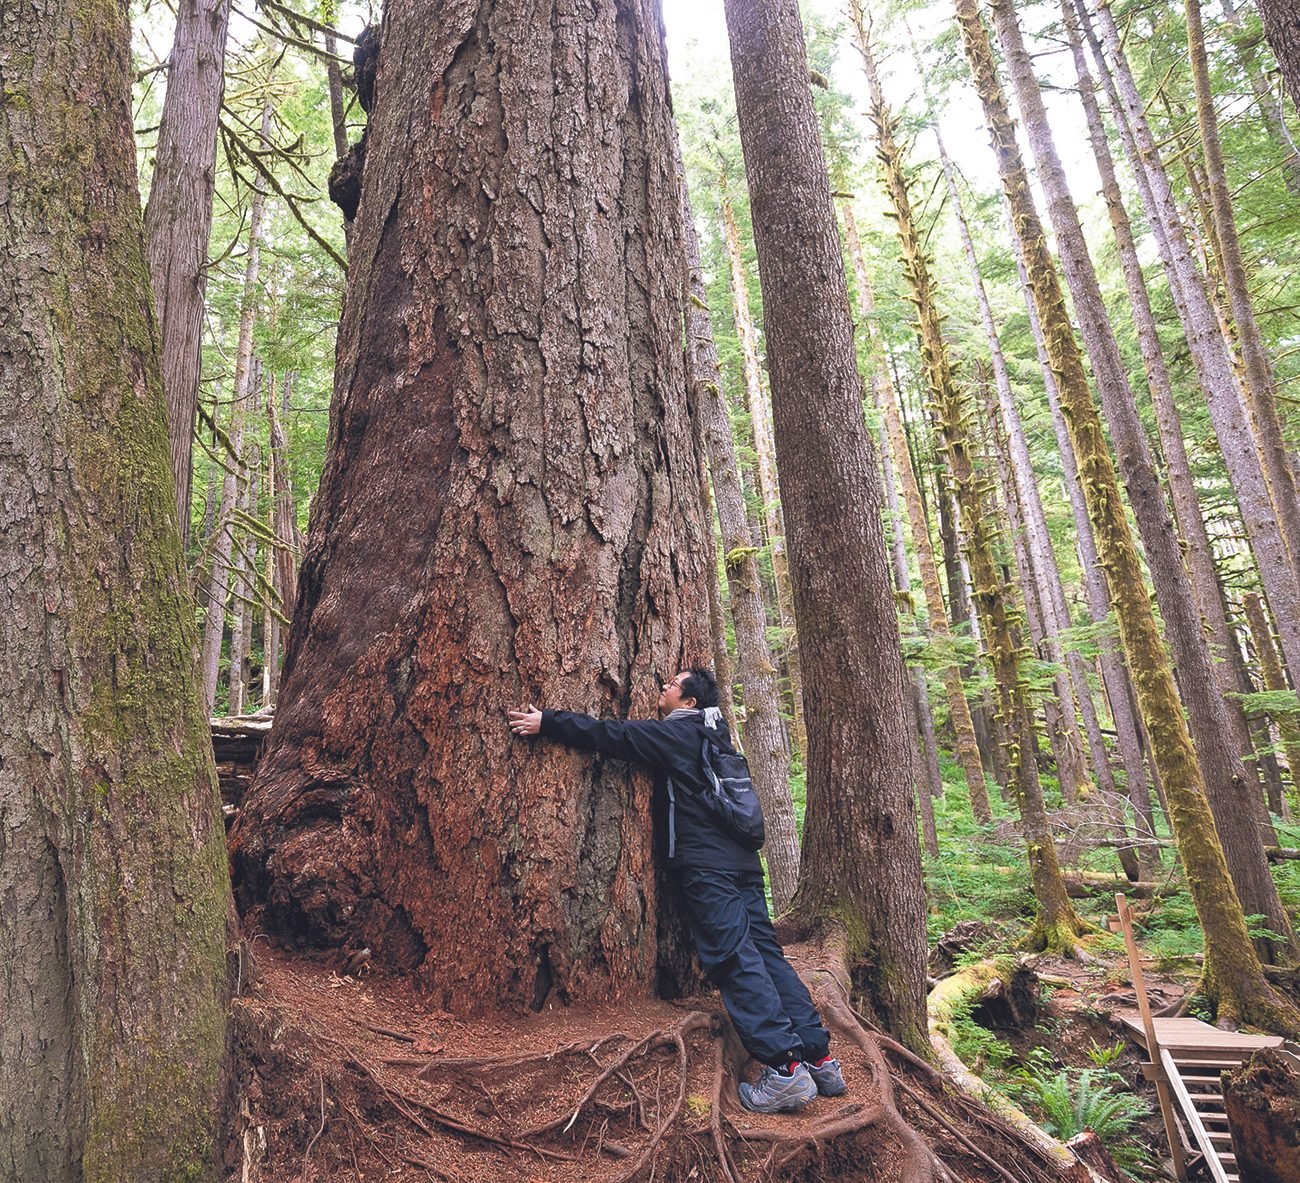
{"type": "Point", "coordinates": [527, 722]}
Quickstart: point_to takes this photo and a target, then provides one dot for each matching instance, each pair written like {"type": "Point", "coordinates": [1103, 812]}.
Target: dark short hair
{"type": "Point", "coordinates": [701, 685]}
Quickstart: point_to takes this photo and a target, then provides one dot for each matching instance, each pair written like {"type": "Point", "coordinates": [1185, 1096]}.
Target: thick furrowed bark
{"type": "Point", "coordinates": [509, 511]}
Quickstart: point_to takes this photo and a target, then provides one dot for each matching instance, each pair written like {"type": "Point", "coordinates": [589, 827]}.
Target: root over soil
{"type": "Point", "coordinates": [344, 1078]}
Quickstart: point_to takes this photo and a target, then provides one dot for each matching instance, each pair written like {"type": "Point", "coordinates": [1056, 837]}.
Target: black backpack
{"type": "Point", "coordinates": [730, 796]}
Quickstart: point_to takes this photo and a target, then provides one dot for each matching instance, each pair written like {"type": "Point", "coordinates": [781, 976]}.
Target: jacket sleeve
{"type": "Point", "coordinates": [642, 740]}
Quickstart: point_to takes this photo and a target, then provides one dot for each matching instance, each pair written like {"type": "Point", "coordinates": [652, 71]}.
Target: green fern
{"type": "Point", "coordinates": [1068, 1103]}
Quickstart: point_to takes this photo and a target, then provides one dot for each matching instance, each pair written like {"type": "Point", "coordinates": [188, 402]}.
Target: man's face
{"type": "Point", "coordinates": [670, 697]}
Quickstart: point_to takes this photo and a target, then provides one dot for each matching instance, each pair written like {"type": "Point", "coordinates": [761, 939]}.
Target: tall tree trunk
{"type": "Point", "coordinates": [928, 747]}
{"type": "Point", "coordinates": [1282, 28]}
{"type": "Point", "coordinates": [1271, 673]}
{"type": "Point", "coordinates": [1205, 339]}
{"type": "Point", "coordinates": [224, 548]}
{"type": "Point", "coordinates": [764, 732]}
{"type": "Point", "coordinates": [859, 750]}
{"type": "Point", "coordinates": [112, 862]}
{"type": "Point", "coordinates": [272, 597]}
{"type": "Point", "coordinates": [1238, 807]}
{"type": "Point", "coordinates": [1197, 552]}
{"type": "Point", "coordinates": [765, 450]}
{"type": "Point", "coordinates": [886, 399]}
{"type": "Point", "coordinates": [509, 511]}
{"type": "Point", "coordinates": [178, 219]}
{"type": "Point", "coordinates": [1114, 671]}
{"type": "Point", "coordinates": [1234, 978]}
{"type": "Point", "coordinates": [1056, 926]}
{"type": "Point", "coordinates": [1051, 592]}
{"type": "Point", "coordinates": [1259, 383]}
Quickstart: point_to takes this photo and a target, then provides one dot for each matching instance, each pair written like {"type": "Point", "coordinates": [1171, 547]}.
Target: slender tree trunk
{"type": "Point", "coordinates": [1238, 807]}
{"type": "Point", "coordinates": [286, 526]}
{"type": "Point", "coordinates": [1282, 28]}
{"type": "Point", "coordinates": [1259, 384]}
{"type": "Point", "coordinates": [1057, 926]}
{"type": "Point", "coordinates": [1196, 548]}
{"type": "Point", "coordinates": [1270, 669]}
{"type": "Point", "coordinates": [270, 588]}
{"type": "Point", "coordinates": [859, 749]}
{"type": "Point", "coordinates": [1114, 671]}
{"type": "Point", "coordinates": [765, 451]}
{"type": "Point", "coordinates": [886, 398]}
{"type": "Point", "coordinates": [764, 732]}
{"type": "Point", "coordinates": [1051, 592]}
{"type": "Point", "coordinates": [1234, 979]}
{"type": "Point", "coordinates": [178, 218]}
{"type": "Point", "coordinates": [223, 549]}
{"type": "Point", "coordinates": [113, 881]}
{"type": "Point", "coordinates": [928, 747]}
{"type": "Point", "coordinates": [1209, 351]}
{"type": "Point", "coordinates": [509, 511]}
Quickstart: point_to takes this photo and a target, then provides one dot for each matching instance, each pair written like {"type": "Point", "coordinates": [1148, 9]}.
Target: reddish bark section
{"type": "Point", "coordinates": [508, 513]}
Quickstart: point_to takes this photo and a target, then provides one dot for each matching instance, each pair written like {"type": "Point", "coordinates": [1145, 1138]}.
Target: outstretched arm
{"type": "Point", "coordinates": [643, 740]}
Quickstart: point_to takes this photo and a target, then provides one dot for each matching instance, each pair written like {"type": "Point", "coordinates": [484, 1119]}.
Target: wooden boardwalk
{"type": "Point", "coordinates": [1191, 1055]}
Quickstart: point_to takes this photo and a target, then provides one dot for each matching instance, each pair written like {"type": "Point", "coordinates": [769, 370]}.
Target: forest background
{"type": "Point", "coordinates": [1011, 645]}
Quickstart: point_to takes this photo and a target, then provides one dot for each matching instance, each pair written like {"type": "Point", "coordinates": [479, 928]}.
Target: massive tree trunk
{"type": "Point", "coordinates": [886, 399]}
{"type": "Point", "coordinates": [1056, 926]}
{"type": "Point", "coordinates": [861, 869]}
{"type": "Point", "coordinates": [178, 218]}
{"type": "Point", "coordinates": [1282, 28]}
{"type": "Point", "coordinates": [764, 732]}
{"type": "Point", "coordinates": [1234, 978]}
{"type": "Point", "coordinates": [509, 511]}
{"type": "Point", "coordinates": [112, 860]}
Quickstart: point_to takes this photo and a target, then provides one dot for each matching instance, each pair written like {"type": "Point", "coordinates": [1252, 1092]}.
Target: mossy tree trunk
{"type": "Point", "coordinates": [1072, 682]}
{"type": "Point", "coordinates": [861, 871]}
{"type": "Point", "coordinates": [765, 451]}
{"type": "Point", "coordinates": [1259, 384]}
{"type": "Point", "coordinates": [886, 399]}
{"type": "Point", "coordinates": [1224, 397]}
{"type": "Point", "coordinates": [1114, 673]}
{"type": "Point", "coordinates": [112, 863]}
{"type": "Point", "coordinates": [764, 733]}
{"type": "Point", "coordinates": [1238, 807]}
{"type": "Point", "coordinates": [178, 218]}
{"type": "Point", "coordinates": [1187, 511]}
{"type": "Point", "coordinates": [1057, 926]}
{"type": "Point", "coordinates": [1234, 978]}
{"type": "Point", "coordinates": [509, 511]}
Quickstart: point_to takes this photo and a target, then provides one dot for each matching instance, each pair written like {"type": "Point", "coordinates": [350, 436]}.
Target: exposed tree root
{"type": "Point", "coordinates": [651, 1104]}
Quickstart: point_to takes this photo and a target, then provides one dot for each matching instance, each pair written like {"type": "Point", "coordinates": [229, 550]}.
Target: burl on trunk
{"type": "Point", "coordinates": [509, 512]}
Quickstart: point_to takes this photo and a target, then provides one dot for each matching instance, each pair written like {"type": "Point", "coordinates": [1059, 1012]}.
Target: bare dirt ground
{"type": "Point", "coordinates": [357, 1078]}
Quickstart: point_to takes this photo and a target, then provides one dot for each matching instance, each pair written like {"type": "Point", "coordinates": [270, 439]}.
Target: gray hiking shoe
{"type": "Point", "coordinates": [828, 1077]}
{"type": "Point", "coordinates": [773, 1092]}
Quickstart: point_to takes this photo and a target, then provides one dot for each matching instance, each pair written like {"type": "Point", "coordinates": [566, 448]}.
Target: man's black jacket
{"type": "Point", "coordinates": [673, 748]}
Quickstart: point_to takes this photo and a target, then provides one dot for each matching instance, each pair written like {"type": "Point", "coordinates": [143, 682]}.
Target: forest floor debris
{"type": "Point", "coordinates": [354, 1078]}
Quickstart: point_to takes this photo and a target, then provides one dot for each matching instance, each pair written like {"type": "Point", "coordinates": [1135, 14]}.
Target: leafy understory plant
{"type": "Point", "coordinates": [1068, 1102]}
